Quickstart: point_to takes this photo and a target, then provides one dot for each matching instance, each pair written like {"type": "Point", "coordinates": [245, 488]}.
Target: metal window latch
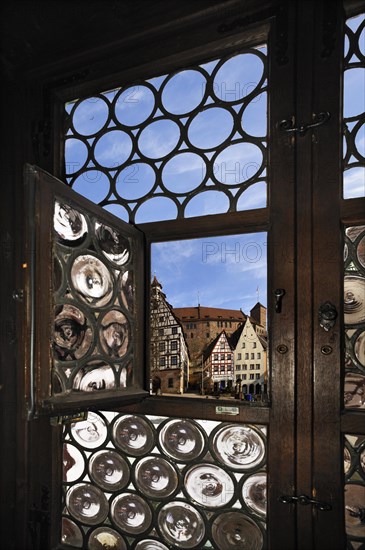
{"type": "Point", "coordinates": [327, 315]}
{"type": "Point", "coordinates": [279, 293]}
{"type": "Point", "coordinates": [304, 500]}
{"type": "Point", "coordinates": [288, 124]}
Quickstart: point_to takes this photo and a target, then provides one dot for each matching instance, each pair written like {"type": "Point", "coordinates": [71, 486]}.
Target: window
{"type": "Point", "coordinates": [252, 376]}
{"type": "Point", "coordinates": [238, 367]}
{"type": "Point", "coordinates": [161, 331]}
{"type": "Point", "coordinates": [162, 361]}
{"type": "Point", "coordinates": [258, 355]}
{"type": "Point", "coordinates": [258, 366]}
{"type": "Point", "coordinates": [170, 382]}
{"type": "Point", "coordinates": [229, 357]}
{"type": "Point", "coordinates": [239, 356]}
{"type": "Point", "coordinates": [244, 367]}
{"type": "Point", "coordinates": [254, 344]}
{"type": "Point", "coordinates": [173, 345]}
{"type": "Point", "coordinates": [246, 356]}
{"type": "Point", "coordinates": [257, 377]}
{"type": "Point", "coordinates": [243, 344]}
{"type": "Point", "coordinates": [216, 357]}
{"type": "Point", "coordinates": [252, 356]}
{"type": "Point", "coordinates": [161, 346]}
{"type": "Point", "coordinates": [173, 360]}
{"type": "Point", "coordinates": [174, 330]}
{"type": "Point", "coordinates": [244, 376]}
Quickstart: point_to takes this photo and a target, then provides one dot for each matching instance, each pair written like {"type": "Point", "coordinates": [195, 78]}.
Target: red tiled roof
{"type": "Point", "coordinates": [203, 313]}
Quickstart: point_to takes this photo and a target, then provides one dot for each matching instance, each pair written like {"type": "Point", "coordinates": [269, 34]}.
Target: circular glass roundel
{"type": "Point", "coordinates": [354, 300]}
{"type": "Point", "coordinates": [239, 447]}
{"type": "Point", "coordinates": [131, 513]}
{"type": "Point", "coordinates": [237, 163]}
{"type": "Point", "coordinates": [92, 280]}
{"type": "Point", "coordinates": [133, 435]}
{"type": "Point", "coordinates": [207, 202]}
{"type": "Point", "coordinates": [134, 105]}
{"type": "Point", "coordinates": [254, 493]}
{"type": "Point", "coordinates": [254, 116]}
{"type": "Point", "coordinates": [94, 376]}
{"type": "Point", "coordinates": [156, 209]}
{"type": "Point", "coordinates": [114, 333]}
{"type": "Point", "coordinates": [90, 116]}
{"type": "Point", "coordinates": [181, 524]}
{"type": "Point", "coordinates": [159, 138]}
{"type": "Point", "coordinates": [69, 224]}
{"type": "Point", "coordinates": [238, 77]}
{"type": "Point", "coordinates": [87, 503]}
{"type": "Point", "coordinates": [184, 92]}
{"type": "Point", "coordinates": [209, 485]}
{"type": "Point", "coordinates": [150, 544]}
{"type": "Point", "coordinates": [210, 128]}
{"type": "Point", "coordinates": [73, 336]}
{"type": "Point", "coordinates": [182, 439]}
{"type": "Point", "coordinates": [71, 534]}
{"type": "Point", "coordinates": [92, 184]}
{"type": "Point", "coordinates": [113, 149]}
{"type": "Point", "coordinates": [106, 538]}
{"type": "Point", "coordinates": [183, 172]}
{"type": "Point", "coordinates": [135, 181]}
{"type": "Point", "coordinates": [354, 505]}
{"type": "Point", "coordinates": [109, 470]}
{"type": "Point", "coordinates": [360, 252]}
{"type": "Point", "coordinates": [232, 530]}
{"type": "Point", "coordinates": [90, 433]}
{"type": "Point", "coordinates": [76, 154]}
{"type": "Point", "coordinates": [73, 463]}
{"type": "Point", "coordinates": [155, 477]}
{"type": "Point", "coordinates": [113, 245]}
{"type": "Point", "coordinates": [353, 104]}
{"type": "Point", "coordinates": [359, 348]}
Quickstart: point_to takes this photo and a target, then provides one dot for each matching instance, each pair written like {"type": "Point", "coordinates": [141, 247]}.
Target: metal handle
{"type": "Point", "coordinates": [288, 125]}
{"type": "Point", "coordinates": [279, 293]}
{"type": "Point", "coordinates": [304, 500]}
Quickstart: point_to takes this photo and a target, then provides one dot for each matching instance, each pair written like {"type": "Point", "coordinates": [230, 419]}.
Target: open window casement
{"type": "Point", "coordinates": [84, 299]}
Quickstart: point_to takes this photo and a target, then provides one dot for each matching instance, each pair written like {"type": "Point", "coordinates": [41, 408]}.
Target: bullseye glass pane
{"type": "Point", "coordinates": [354, 317]}
{"type": "Point", "coordinates": [155, 483]}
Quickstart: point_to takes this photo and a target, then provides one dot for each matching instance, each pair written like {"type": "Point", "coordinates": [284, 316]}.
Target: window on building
{"type": "Point", "coordinates": [174, 330]}
{"type": "Point", "coordinates": [173, 345]}
{"type": "Point", "coordinates": [191, 335]}
{"type": "Point", "coordinates": [257, 366]}
{"type": "Point", "coordinates": [254, 344]}
{"type": "Point", "coordinates": [208, 324]}
{"type": "Point", "coordinates": [239, 356]}
{"type": "Point", "coordinates": [252, 356]}
{"type": "Point", "coordinates": [238, 367]}
{"type": "Point", "coordinates": [247, 356]}
{"type": "Point", "coordinates": [258, 355]}
{"type": "Point", "coordinates": [243, 344]}
{"type": "Point", "coordinates": [252, 367]}
{"type": "Point", "coordinates": [162, 361]}
{"type": "Point", "coordinates": [161, 346]}
{"type": "Point", "coordinates": [257, 377]}
{"type": "Point", "coordinates": [244, 367]}
{"type": "Point", "coordinates": [222, 357]}
{"type": "Point", "coordinates": [173, 360]}
{"type": "Point", "coordinates": [161, 318]}
{"type": "Point", "coordinates": [252, 376]}
{"type": "Point", "coordinates": [244, 376]}
{"type": "Point", "coordinates": [170, 382]}
{"type": "Point", "coordinates": [229, 357]}
{"type": "Point", "coordinates": [161, 332]}
{"type": "Point", "coordinates": [216, 357]}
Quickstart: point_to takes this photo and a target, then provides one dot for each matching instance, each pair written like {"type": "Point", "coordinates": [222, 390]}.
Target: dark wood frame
{"type": "Point", "coordinates": [306, 422]}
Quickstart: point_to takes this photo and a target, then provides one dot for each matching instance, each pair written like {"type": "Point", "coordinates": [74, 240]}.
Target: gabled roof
{"type": "Point", "coordinates": [210, 347]}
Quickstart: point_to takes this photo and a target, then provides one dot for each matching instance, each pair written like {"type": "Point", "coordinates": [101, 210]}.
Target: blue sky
{"type": "Point", "coordinates": [227, 272]}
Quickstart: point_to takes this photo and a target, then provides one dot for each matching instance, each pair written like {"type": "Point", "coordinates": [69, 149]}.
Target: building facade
{"type": "Point", "coordinates": [169, 357]}
{"type": "Point", "coordinates": [218, 370]}
{"type": "Point", "coordinates": [250, 358]}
